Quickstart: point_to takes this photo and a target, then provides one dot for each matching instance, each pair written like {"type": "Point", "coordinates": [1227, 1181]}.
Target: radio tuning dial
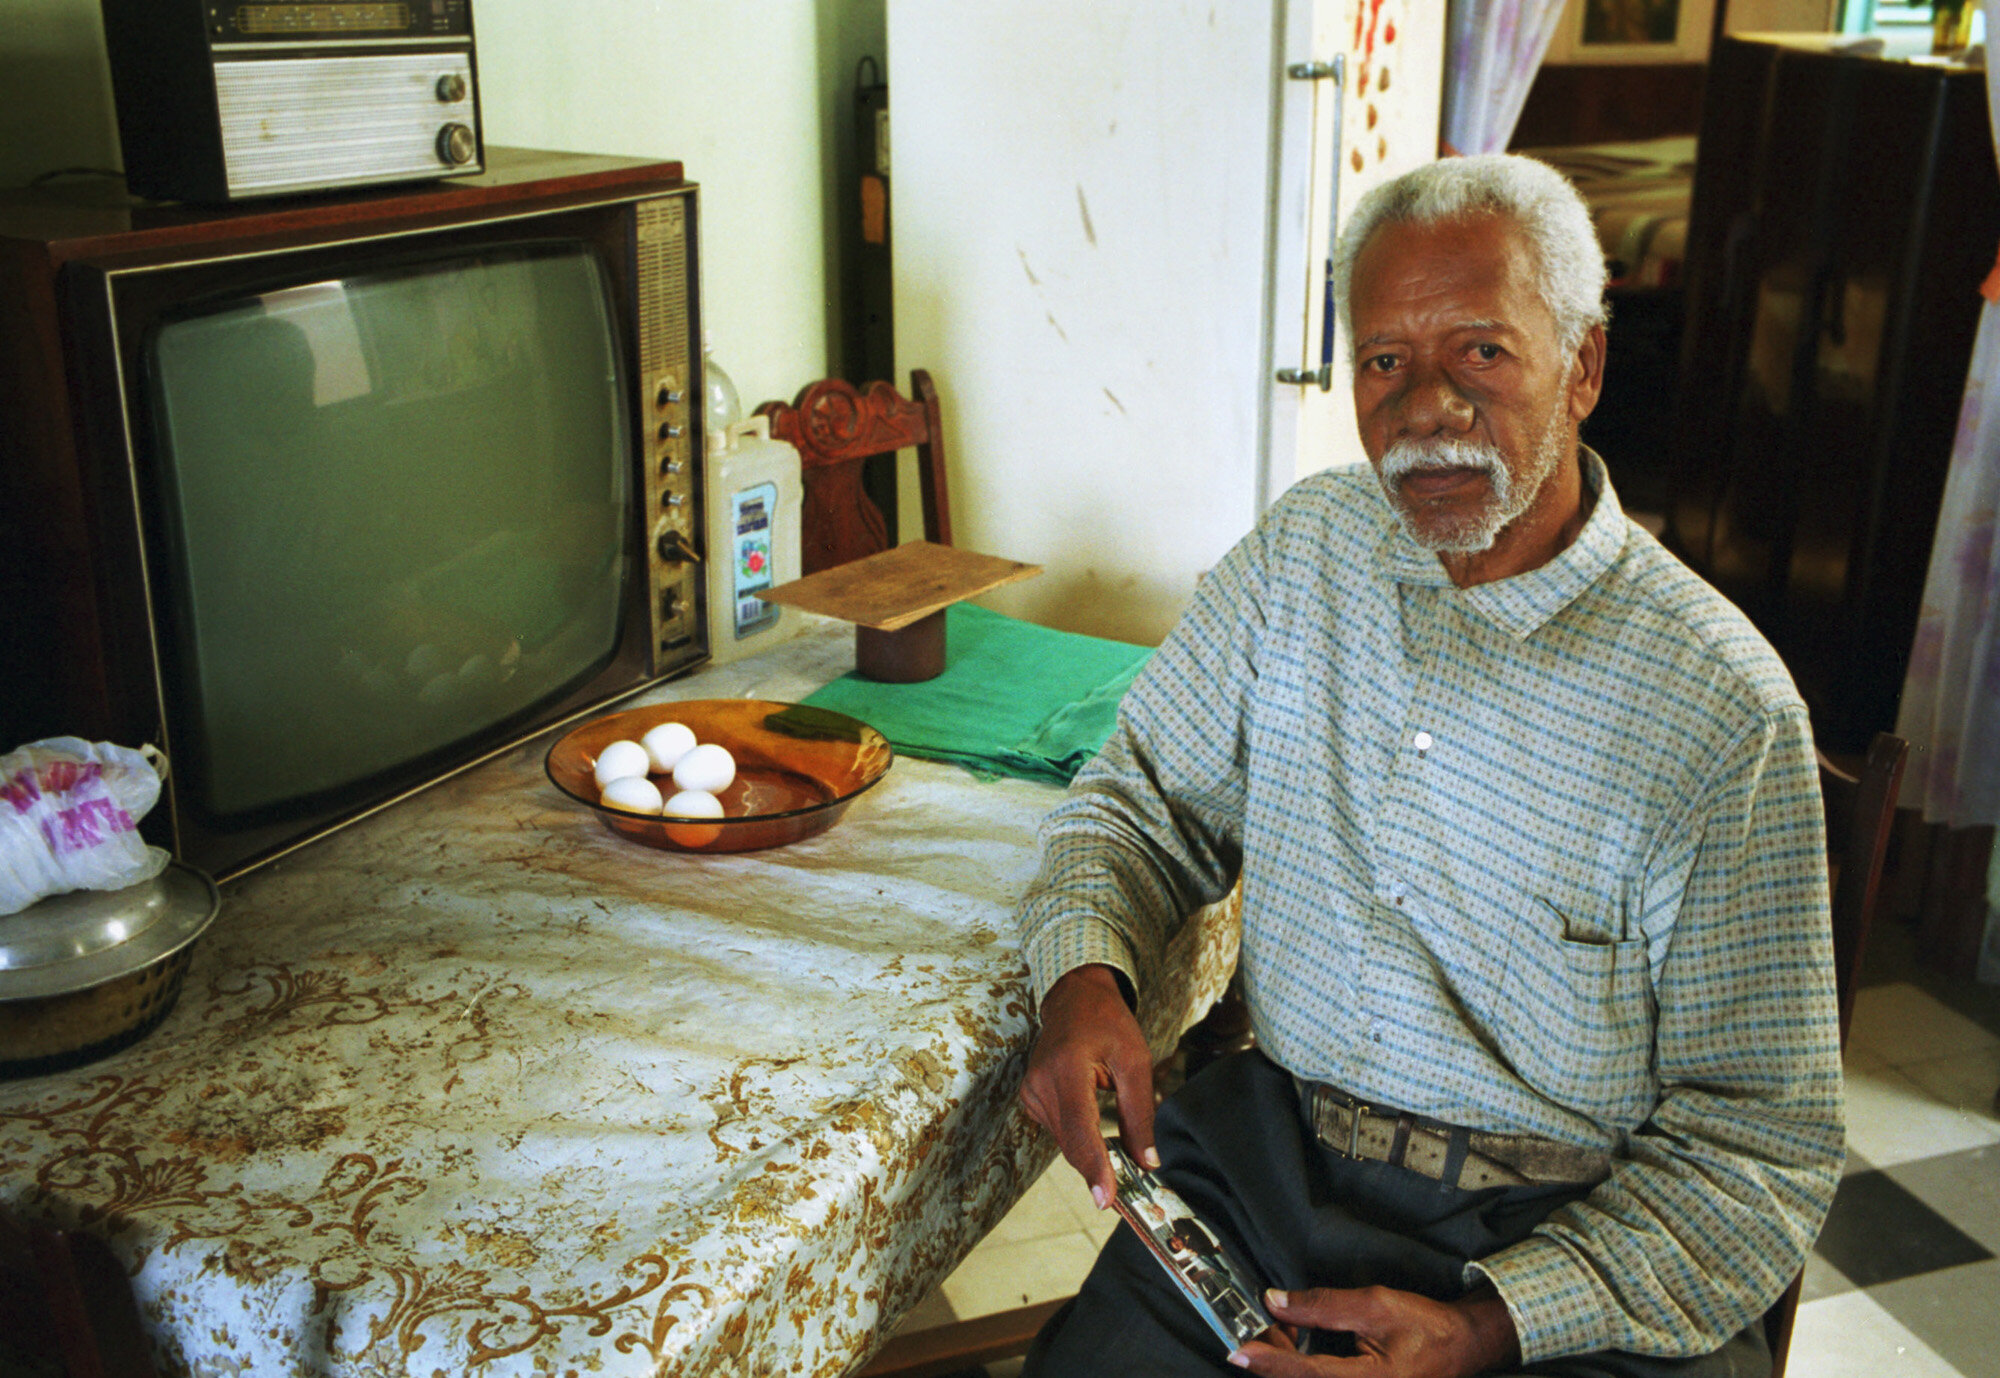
{"type": "Point", "coordinates": [451, 88]}
{"type": "Point", "coordinates": [455, 144]}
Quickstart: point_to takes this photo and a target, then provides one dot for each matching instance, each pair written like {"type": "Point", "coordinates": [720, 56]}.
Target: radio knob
{"type": "Point", "coordinates": [455, 144]}
{"type": "Point", "coordinates": [451, 88]}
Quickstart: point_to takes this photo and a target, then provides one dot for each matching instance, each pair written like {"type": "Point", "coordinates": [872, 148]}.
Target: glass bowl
{"type": "Point", "coordinates": [797, 770]}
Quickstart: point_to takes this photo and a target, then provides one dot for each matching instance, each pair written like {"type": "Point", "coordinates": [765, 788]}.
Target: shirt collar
{"type": "Point", "coordinates": [1520, 606]}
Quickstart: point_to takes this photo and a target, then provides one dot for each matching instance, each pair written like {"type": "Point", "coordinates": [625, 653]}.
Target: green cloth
{"type": "Point", "coordinates": [1014, 698]}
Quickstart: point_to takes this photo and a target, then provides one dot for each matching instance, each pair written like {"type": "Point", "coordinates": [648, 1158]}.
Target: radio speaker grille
{"type": "Point", "coordinates": [297, 123]}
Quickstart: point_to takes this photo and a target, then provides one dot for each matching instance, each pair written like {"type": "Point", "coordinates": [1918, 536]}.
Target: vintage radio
{"type": "Point", "coordinates": [222, 102]}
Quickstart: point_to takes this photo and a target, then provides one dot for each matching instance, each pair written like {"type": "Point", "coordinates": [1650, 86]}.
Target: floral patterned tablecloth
{"type": "Point", "coordinates": [475, 1086]}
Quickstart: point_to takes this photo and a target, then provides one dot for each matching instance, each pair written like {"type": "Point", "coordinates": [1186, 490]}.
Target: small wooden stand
{"type": "Point", "coordinates": [896, 601]}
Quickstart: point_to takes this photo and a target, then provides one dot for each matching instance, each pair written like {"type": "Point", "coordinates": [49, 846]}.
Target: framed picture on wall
{"type": "Point", "coordinates": [1594, 31]}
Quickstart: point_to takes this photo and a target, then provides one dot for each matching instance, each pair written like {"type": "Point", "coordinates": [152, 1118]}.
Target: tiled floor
{"type": "Point", "coordinates": [1905, 1282]}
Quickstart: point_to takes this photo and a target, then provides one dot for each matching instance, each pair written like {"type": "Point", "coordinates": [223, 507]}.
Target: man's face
{"type": "Point", "coordinates": [1466, 401]}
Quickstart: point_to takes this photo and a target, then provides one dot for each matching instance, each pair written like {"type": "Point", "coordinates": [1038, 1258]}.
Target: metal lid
{"type": "Point", "coordinates": [73, 941]}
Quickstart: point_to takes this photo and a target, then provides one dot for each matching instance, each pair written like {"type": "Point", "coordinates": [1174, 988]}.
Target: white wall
{"type": "Point", "coordinates": [57, 109]}
{"type": "Point", "coordinates": [1078, 243]}
{"type": "Point", "coordinates": [729, 87]}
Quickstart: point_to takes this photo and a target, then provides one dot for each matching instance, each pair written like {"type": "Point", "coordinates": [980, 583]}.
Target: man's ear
{"type": "Point", "coordinates": [1586, 382]}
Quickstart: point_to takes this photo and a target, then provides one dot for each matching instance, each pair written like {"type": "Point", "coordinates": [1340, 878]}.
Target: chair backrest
{"type": "Point", "coordinates": [1860, 813]}
{"type": "Point", "coordinates": [836, 426]}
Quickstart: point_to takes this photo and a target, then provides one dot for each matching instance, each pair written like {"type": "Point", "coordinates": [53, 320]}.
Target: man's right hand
{"type": "Point", "coordinates": [1090, 1040]}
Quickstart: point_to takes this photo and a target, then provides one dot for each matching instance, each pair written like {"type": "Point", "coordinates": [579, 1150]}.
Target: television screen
{"type": "Point", "coordinates": [395, 503]}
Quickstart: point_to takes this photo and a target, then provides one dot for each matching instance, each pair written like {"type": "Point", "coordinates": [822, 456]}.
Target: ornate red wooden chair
{"type": "Point", "coordinates": [836, 426]}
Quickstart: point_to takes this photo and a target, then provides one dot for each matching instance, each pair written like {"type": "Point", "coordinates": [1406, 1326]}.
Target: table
{"type": "Point", "coordinates": [475, 1086]}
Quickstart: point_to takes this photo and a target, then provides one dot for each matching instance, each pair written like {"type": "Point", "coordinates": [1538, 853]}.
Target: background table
{"type": "Point", "coordinates": [476, 1086]}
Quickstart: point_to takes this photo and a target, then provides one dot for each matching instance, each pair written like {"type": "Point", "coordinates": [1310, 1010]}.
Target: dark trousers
{"type": "Point", "coordinates": [1235, 1146]}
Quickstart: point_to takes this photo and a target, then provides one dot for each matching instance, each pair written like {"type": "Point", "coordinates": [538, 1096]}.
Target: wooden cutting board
{"type": "Point", "coordinates": [899, 586]}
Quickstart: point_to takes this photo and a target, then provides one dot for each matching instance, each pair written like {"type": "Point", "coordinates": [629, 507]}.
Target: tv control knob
{"type": "Point", "coordinates": [455, 145]}
{"type": "Point", "coordinates": [670, 605]}
{"type": "Point", "coordinates": [674, 547]}
{"type": "Point", "coordinates": [451, 88]}
{"type": "Point", "coordinates": [671, 397]}
{"type": "Point", "coordinates": [670, 430]}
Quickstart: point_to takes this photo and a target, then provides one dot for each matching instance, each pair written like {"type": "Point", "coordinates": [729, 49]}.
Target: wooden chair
{"type": "Point", "coordinates": [836, 426]}
{"type": "Point", "coordinates": [66, 1306]}
{"type": "Point", "coordinates": [1860, 812]}
{"type": "Point", "coordinates": [1860, 809]}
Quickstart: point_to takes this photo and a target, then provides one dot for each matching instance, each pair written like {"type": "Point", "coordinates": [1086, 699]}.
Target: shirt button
{"type": "Point", "coordinates": [1422, 741]}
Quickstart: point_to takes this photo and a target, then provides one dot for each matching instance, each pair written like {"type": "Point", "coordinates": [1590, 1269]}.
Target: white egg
{"type": "Point", "coordinates": [666, 744]}
{"type": "Point", "coordinates": [708, 767]}
{"type": "Point", "coordinates": [633, 792]}
{"type": "Point", "coordinates": [619, 760]}
{"type": "Point", "coordinates": [693, 803]}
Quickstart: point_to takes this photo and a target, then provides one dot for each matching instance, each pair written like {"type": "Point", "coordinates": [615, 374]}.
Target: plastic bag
{"type": "Point", "coordinates": [69, 819]}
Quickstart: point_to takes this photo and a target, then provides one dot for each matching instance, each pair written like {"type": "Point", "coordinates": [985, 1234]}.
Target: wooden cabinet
{"type": "Point", "coordinates": [1845, 211]}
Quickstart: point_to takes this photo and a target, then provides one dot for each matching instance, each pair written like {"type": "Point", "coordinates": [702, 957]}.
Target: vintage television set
{"type": "Point", "coordinates": [332, 498]}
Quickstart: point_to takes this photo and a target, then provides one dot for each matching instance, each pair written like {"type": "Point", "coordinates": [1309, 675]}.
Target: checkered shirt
{"type": "Point", "coordinates": [1540, 856]}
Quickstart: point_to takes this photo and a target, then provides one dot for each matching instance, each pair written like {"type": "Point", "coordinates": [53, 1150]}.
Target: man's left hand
{"type": "Point", "coordinates": [1399, 1335]}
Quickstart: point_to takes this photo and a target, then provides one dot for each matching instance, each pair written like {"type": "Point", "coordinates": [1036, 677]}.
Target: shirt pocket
{"type": "Point", "coordinates": [1576, 1017]}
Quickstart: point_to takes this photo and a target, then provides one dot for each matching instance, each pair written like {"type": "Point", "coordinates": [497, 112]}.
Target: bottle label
{"type": "Point", "coordinates": [751, 512]}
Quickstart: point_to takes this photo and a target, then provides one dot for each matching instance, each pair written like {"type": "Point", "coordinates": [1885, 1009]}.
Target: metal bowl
{"type": "Point", "coordinates": [86, 973]}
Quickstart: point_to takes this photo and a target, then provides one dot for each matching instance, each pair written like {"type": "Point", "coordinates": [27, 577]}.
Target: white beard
{"type": "Point", "coordinates": [1450, 530]}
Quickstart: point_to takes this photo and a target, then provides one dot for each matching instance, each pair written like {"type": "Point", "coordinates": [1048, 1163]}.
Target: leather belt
{"type": "Point", "coordinates": [1470, 1159]}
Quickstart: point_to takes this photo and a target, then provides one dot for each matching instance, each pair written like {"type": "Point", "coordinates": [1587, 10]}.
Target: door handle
{"type": "Point", "coordinates": [1336, 72]}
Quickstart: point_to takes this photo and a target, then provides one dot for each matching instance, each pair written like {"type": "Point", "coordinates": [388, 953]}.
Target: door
{"type": "Point", "coordinates": [1373, 74]}
{"type": "Point", "coordinates": [1111, 233]}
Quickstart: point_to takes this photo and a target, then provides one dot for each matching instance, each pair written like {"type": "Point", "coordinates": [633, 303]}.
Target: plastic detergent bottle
{"type": "Point", "coordinates": [754, 499]}
{"type": "Point", "coordinates": [721, 408]}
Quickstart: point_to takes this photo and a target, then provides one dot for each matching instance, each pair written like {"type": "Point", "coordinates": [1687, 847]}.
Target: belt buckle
{"type": "Point", "coordinates": [1336, 1099]}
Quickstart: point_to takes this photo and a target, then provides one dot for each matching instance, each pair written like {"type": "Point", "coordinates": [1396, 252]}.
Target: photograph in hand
{"type": "Point", "coordinates": [1220, 1289]}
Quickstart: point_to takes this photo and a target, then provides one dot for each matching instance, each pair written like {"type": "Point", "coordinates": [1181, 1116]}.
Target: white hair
{"type": "Point", "coordinates": [1569, 264]}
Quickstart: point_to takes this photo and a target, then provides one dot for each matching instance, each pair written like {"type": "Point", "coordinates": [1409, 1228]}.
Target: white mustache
{"type": "Point", "coordinates": [1406, 457]}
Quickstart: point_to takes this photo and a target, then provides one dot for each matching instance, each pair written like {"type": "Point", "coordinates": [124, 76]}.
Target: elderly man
{"type": "Point", "coordinates": [1534, 905]}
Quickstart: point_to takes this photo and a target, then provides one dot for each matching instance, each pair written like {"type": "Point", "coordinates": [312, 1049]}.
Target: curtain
{"type": "Point", "coordinates": [1493, 48]}
{"type": "Point", "coordinates": [1950, 711]}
